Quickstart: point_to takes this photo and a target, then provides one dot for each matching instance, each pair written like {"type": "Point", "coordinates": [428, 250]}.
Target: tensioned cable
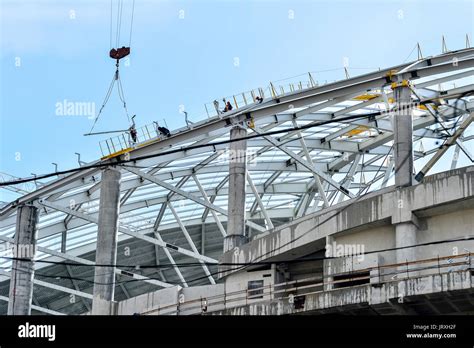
{"type": "Point", "coordinates": [122, 95]}
{"type": "Point", "coordinates": [106, 99]}
{"type": "Point", "coordinates": [119, 21]}
{"type": "Point", "coordinates": [131, 24]}
{"type": "Point", "coordinates": [111, 11]}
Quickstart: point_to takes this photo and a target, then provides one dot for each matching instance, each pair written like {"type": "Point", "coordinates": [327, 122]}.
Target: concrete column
{"type": "Point", "coordinates": [405, 235]}
{"type": "Point", "coordinates": [328, 265]}
{"type": "Point", "coordinates": [237, 185]}
{"type": "Point", "coordinates": [403, 137]}
{"type": "Point", "coordinates": [106, 251]}
{"type": "Point", "coordinates": [21, 281]}
{"type": "Point", "coordinates": [405, 232]}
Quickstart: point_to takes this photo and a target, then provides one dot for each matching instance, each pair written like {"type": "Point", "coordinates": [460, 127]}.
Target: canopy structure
{"type": "Point", "coordinates": [336, 144]}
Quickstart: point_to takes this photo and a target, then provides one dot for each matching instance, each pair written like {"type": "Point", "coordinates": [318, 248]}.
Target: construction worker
{"type": "Point", "coordinates": [164, 131]}
{"type": "Point", "coordinates": [228, 107]}
{"type": "Point", "coordinates": [133, 130]}
{"type": "Point", "coordinates": [161, 131]}
{"type": "Point", "coordinates": [133, 133]}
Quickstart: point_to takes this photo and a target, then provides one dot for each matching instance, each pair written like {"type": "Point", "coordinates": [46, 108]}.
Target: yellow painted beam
{"type": "Point", "coordinates": [366, 97]}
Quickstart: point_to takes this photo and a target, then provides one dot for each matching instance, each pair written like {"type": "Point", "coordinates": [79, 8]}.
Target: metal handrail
{"type": "Point", "coordinates": [321, 282]}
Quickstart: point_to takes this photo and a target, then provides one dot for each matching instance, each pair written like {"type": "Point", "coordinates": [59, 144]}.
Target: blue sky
{"type": "Point", "coordinates": [48, 57]}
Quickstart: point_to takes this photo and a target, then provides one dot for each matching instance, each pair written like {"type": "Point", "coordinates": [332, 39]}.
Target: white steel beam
{"type": "Point", "coordinates": [189, 196]}
{"type": "Point", "coordinates": [82, 261]}
{"type": "Point", "coordinates": [446, 145]}
{"type": "Point", "coordinates": [172, 261]}
{"type": "Point", "coordinates": [321, 192]}
{"type": "Point", "coordinates": [206, 198]}
{"type": "Point", "coordinates": [125, 230]}
{"type": "Point", "coordinates": [301, 161]}
{"type": "Point", "coordinates": [53, 286]}
{"type": "Point", "coordinates": [259, 202]}
{"type": "Point", "coordinates": [190, 242]}
{"type": "Point", "coordinates": [37, 308]}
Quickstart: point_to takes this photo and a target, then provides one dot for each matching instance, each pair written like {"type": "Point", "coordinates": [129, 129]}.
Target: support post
{"type": "Point", "coordinates": [237, 185]}
{"type": "Point", "coordinates": [405, 232]}
{"type": "Point", "coordinates": [403, 137]}
{"type": "Point", "coordinates": [405, 235]}
{"type": "Point", "coordinates": [21, 281]}
{"type": "Point", "coordinates": [328, 266]}
{"type": "Point", "coordinates": [106, 252]}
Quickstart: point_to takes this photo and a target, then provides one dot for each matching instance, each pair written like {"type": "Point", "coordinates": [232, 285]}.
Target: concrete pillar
{"type": "Point", "coordinates": [106, 250]}
{"type": "Point", "coordinates": [405, 232]}
{"type": "Point", "coordinates": [405, 235]}
{"type": "Point", "coordinates": [237, 185]}
{"type": "Point", "coordinates": [403, 136]}
{"type": "Point", "coordinates": [21, 281]}
{"type": "Point", "coordinates": [328, 265]}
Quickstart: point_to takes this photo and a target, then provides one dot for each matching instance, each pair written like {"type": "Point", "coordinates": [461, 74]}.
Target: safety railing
{"type": "Point", "coordinates": [275, 89]}
{"type": "Point", "coordinates": [238, 101]}
{"type": "Point", "coordinates": [115, 144]}
{"type": "Point", "coordinates": [296, 290]}
{"type": "Point", "coordinates": [23, 188]}
{"type": "Point", "coordinates": [124, 141]}
{"type": "Point", "coordinates": [292, 84]}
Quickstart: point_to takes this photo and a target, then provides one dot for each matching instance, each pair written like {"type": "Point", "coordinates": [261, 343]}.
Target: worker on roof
{"type": "Point", "coordinates": [133, 133]}
{"type": "Point", "coordinates": [228, 107]}
{"type": "Point", "coordinates": [164, 131]}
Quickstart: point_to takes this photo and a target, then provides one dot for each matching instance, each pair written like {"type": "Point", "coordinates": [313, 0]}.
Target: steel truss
{"type": "Point", "coordinates": [175, 205]}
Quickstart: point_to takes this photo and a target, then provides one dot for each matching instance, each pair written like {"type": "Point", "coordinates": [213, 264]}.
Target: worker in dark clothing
{"type": "Point", "coordinates": [133, 133]}
{"type": "Point", "coordinates": [161, 131]}
{"type": "Point", "coordinates": [228, 107]}
{"type": "Point", "coordinates": [133, 130]}
{"type": "Point", "coordinates": [164, 131]}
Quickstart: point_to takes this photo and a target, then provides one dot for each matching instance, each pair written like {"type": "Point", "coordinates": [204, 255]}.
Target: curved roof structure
{"type": "Point", "coordinates": [313, 146]}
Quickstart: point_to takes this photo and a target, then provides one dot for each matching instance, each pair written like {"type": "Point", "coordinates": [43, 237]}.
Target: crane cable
{"type": "Point", "coordinates": [131, 25]}
{"type": "Point", "coordinates": [116, 76]}
{"type": "Point", "coordinates": [106, 99]}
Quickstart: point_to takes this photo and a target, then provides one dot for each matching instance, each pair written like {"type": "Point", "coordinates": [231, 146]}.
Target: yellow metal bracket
{"type": "Point", "coordinates": [118, 153]}
{"type": "Point", "coordinates": [251, 123]}
{"type": "Point", "coordinates": [391, 73]}
{"type": "Point", "coordinates": [403, 83]}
